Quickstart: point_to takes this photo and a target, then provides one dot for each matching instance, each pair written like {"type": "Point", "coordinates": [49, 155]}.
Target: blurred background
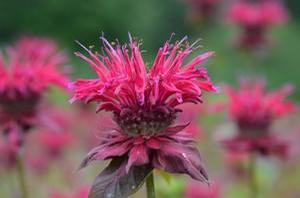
{"type": "Point", "coordinates": [154, 21]}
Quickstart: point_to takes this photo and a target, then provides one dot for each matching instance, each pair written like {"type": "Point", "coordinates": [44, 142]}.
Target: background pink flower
{"type": "Point", "coordinates": [255, 17]}
{"type": "Point", "coordinates": [254, 110]}
{"type": "Point", "coordinates": [27, 69]}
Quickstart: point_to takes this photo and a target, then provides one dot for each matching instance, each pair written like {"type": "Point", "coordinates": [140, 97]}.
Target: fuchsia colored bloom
{"type": "Point", "coordinates": [255, 17]}
{"type": "Point", "coordinates": [144, 106]}
{"type": "Point", "coordinates": [28, 68]}
{"type": "Point", "coordinates": [254, 110]}
{"type": "Point", "coordinates": [198, 190]}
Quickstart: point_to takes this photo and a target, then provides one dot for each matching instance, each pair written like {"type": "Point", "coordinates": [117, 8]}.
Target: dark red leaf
{"type": "Point", "coordinates": [114, 182]}
{"type": "Point", "coordinates": [179, 159]}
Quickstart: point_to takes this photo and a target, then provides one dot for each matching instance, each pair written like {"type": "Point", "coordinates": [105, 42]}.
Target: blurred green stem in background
{"type": "Point", "coordinates": [21, 176]}
{"type": "Point", "coordinates": [252, 175]}
{"type": "Point", "coordinates": [150, 186]}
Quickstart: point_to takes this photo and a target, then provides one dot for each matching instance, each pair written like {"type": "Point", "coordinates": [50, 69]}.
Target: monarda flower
{"type": "Point", "coordinates": [144, 107]}
{"type": "Point", "coordinates": [254, 110]}
{"type": "Point", "coordinates": [27, 69]}
{"type": "Point", "coordinates": [255, 18]}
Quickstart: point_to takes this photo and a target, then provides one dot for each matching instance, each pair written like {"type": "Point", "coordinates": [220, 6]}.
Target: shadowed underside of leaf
{"type": "Point", "coordinates": [114, 182]}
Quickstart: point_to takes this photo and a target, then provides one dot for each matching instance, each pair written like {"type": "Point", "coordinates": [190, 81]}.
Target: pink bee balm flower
{"type": "Point", "coordinates": [144, 106]}
{"type": "Point", "coordinates": [198, 190]}
{"type": "Point", "coordinates": [255, 17]}
{"type": "Point", "coordinates": [27, 69]}
{"type": "Point", "coordinates": [254, 110]}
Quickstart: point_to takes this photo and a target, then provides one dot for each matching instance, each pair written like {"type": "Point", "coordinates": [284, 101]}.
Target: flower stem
{"type": "Point", "coordinates": [21, 175]}
{"type": "Point", "coordinates": [150, 186]}
{"type": "Point", "coordinates": [252, 176]}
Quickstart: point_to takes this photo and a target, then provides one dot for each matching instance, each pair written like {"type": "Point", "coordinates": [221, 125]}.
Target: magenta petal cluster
{"type": "Point", "coordinates": [125, 81]}
{"type": "Point", "coordinates": [254, 18]}
{"type": "Point", "coordinates": [254, 110]}
{"type": "Point", "coordinates": [27, 69]}
{"type": "Point", "coordinates": [32, 64]}
{"type": "Point", "coordinates": [259, 13]}
{"type": "Point", "coordinates": [144, 103]}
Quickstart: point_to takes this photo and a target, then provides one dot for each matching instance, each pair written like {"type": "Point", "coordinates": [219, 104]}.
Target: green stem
{"type": "Point", "coordinates": [252, 176]}
{"type": "Point", "coordinates": [150, 186]}
{"type": "Point", "coordinates": [21, 175]}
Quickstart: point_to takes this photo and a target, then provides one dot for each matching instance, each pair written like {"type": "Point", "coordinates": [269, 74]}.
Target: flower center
{"type": "Point", "coordinates": [19, 103]}
{"type": "Point", "coordinates": [145, 122]}
{"type": "Point", "coordinates": [254, 128]}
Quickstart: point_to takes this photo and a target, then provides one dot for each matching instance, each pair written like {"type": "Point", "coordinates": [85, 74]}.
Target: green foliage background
{"type": "Point", "coordinates": [153, 21]}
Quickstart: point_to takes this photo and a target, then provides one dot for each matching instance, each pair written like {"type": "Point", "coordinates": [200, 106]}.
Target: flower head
{"type": "Point", "coordinates": [257, 13]}
{"type": "Point", "coordinates": [31, 66]}
{"type": "Point", "coordinates": [254, 110]}
{"type": "Point", "coordinates": [144, 106]}
{"type": "Point", "coordinates": [254, 17]}
{"type": "Point", "coordinates": [27, 69]}
{"type": "Point", "coordinates": [143, 102]}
